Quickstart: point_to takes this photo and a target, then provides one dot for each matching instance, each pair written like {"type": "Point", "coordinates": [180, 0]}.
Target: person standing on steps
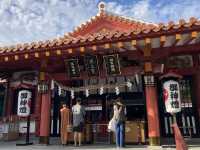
{"type": "Point", "coordinates": [65, 121]}
{"type": "Point", "coordinates": [78, 112]}
{"type": "Point", "coordinates": [120, 118]}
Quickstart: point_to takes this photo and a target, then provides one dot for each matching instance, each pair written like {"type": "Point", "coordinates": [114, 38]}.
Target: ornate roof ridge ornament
{"type": "Point", "coordinates": [102, 7]}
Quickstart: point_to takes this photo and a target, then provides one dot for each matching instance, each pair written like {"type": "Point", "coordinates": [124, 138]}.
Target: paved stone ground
{"type": "Point", "coordinates": [55, 145]}
{"type": "Point", "coordinates": [12, 146]}
{"type": "Point", "coordinates": [70, 147]}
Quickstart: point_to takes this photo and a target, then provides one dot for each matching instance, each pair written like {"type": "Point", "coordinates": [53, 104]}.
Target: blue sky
{"type": "Point", "coordinates": [33, 20]}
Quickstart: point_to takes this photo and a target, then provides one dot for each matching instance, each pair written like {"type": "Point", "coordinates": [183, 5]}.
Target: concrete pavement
{"type": "Point", "coordinates": [12, 146]}
{"type": "Point", "coordinates": [55, 145]}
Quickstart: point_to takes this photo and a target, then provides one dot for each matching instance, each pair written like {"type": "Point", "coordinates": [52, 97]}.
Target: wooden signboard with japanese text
{"type": "Point", "coordinates": [91, 64]}
{"type": "Point", "coordinates": [112, 64]}
{"type": "Point", "coordinates": [73, 67]}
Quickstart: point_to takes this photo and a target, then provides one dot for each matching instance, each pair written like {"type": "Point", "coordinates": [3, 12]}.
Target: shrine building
{"type": "Point", "coordinates": [106, 57]}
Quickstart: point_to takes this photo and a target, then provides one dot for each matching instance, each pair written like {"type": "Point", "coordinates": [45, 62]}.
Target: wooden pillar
{"type": "Point", "coordinates": [45, 114]}
{"type": "Point", "coordinates": [197, 90]}
{"type": "Point", "coordinates": [151, 97]}
{"type": "Point", "coordinates": [196, 85]}
{"type": "Point", "coordinates": [37, 112]}
{"type": "Point", "coordinates": [5, 99]}
{"type": "Point", "coordinates": [9, 100]}
{"type": "Point", "coordinates": [152, 110]}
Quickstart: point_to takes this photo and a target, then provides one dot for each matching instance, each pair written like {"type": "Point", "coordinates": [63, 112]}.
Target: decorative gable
{"type": "Point", "coordinates": [108, 22]}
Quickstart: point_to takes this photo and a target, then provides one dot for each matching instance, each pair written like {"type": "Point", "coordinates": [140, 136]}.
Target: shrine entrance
{"type": "Point", "coordinates": [99, 110]}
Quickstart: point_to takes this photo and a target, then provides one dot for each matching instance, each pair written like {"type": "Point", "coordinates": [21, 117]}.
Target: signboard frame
{"type": "Point", "coordinates": [88, 65]}
{"type": "Point", "coordinates": [116, 61]}
{"type": "Point", "coordinates": [76, 67]}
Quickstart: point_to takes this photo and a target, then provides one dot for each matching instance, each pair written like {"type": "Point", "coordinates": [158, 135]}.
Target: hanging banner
{"type": "Point", "coordinates": [24, 103]}
{"type": "Point", "coordinates": [171, 94]}
{"type": "Point", "coordinates": [92, 67]}
{"type": "Point", "coordinates": [73, 68]}
{"type": "Point", "coordinates": [112, 64]}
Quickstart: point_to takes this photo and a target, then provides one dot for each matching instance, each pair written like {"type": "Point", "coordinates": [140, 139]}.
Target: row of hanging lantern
{"type": "Point", "coordinates": [62, 89]}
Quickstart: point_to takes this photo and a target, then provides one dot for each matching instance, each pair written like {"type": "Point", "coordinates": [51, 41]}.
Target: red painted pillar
{"type": "Point", "coordinates": [45, 117]}
{"type": "Point", "coordinates": [152, 110]}
{"type": "Point", "coordinates": [196, 82]}
{"type": "Point", "coordinates": [196, 87]}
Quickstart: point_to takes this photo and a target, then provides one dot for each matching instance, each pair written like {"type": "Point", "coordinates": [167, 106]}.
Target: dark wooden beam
{"type": "Point", "coordinates": [182, 71]}
{"type": "Point", "coordinates": [193, 36]}
{"type": "Point", "coordinates": [134, 43]}
{"type": "Point", "coordinates": [160, 53]}
{"type": "Point", "coordinates": [127, 71]}
{"type": "Point", "coordinates": [177, 39]}
{"type": "Point", "coordinates": [162, 41]}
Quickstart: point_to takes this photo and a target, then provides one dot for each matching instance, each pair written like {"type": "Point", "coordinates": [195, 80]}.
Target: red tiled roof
{"type": "Point", "coordinates": [95, 37]}
{"type": "Point", "coordinates": [127, 23]}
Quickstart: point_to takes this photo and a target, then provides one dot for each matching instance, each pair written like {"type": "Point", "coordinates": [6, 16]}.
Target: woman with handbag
{"type": "Point", "coordinates": [65, 122]}
{"type": "Point", "coordinates": [120, 118]}
{"type": "Point", "coordinates": [112, 122]}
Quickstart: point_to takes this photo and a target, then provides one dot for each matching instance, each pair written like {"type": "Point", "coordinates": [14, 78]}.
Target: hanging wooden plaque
{"type": "Point", "coordinates": [73, 67]}
{"type": "Point", "coordinates": [112, 64]}
{"type": "Point", "coordinates": [91, 64]}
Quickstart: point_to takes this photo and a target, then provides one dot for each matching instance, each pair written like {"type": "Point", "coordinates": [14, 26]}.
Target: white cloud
{"type": "Point", "coordinates": [158, 10]}
{"type": "Point", "coordinates": [33, 20]}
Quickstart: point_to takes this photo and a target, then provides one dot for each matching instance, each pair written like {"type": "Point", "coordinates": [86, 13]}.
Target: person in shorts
{"type": "Point", "coordinates": [78, 112]}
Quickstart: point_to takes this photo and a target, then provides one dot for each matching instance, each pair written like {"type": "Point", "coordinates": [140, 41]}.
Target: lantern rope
{"type": "Point", "coordinates": [92, 87]}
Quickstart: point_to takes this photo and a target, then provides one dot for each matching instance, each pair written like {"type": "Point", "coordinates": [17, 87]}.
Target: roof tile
{"type": "Point", "coordinates": [139, 28]}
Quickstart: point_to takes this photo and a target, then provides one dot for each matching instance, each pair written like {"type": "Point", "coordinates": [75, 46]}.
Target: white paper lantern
{"type": "Point", "coordinates": [24, 103]}
{"type": "Point", "coordinates": [117, 90]}
{"type": "Point", "coordinates": [171, 95]}
{"type": "Point", "coordinates": [101, 90]}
